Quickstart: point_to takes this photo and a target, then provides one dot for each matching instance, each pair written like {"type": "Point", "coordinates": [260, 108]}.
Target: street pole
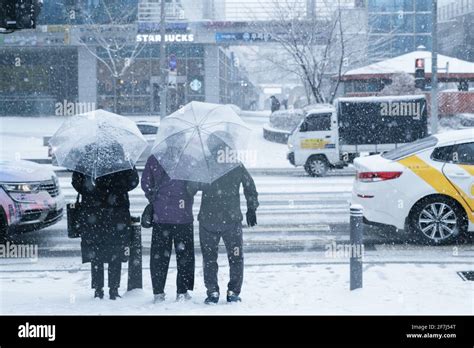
{"type": "Point", "coordinates": [434, 68]}
{"type": "Point", "coordinates": [163, 67]}
{"type": "Point", "coordinates": [357, 246]}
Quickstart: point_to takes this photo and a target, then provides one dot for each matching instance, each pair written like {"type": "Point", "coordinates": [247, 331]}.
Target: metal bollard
{"type": "Point", "coordinates": [135, 278]}
{"type": "Point", "coordinates": [356, 240]}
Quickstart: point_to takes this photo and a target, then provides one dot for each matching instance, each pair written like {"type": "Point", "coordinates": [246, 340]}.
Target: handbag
{"type": "Point", "coordinates": [147, 216]}
{"type": "Point", "coordinates": [74, 225]}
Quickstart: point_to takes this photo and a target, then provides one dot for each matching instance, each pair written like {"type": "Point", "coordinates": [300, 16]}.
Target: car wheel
{"type": "Point", "coordinates": [316, 166]}
{"type": "Point", "coordinates": [438, 220]}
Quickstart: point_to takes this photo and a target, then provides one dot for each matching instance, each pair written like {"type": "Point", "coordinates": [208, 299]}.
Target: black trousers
{"type": "Point", "coordinates": [209, 236]}
{"type": "Point", "coordinates": [163, 238]}
{"type": "Point", "coordinates": [97, 272]}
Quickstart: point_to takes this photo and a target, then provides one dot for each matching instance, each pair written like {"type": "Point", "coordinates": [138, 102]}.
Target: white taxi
{"type": "Point", "coordinates": [425, 188]}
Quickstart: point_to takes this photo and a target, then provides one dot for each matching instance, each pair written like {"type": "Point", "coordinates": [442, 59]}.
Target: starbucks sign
{"type": "Point", "coordinates": [195, 85]}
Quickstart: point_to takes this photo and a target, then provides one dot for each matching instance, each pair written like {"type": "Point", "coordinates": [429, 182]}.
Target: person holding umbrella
{"type": "Point", "coordinates": [220, 217]}
{"type": "Point", "coordinates": [172, 221]}
{"type": "Point", "coordinates": [101, 148]}
{"type": "Point", "coordinates": [105, 208]}
{"type": "Point", "coordinates": [203, 136]}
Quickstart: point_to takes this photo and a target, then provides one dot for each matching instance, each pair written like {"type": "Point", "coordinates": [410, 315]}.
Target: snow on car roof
{"type": "Point", "coordinates": [318, 108]}
{"type": "Point", "coordinates": [452, 136]}
{"type": "Point", "coordinates": [381, 98]}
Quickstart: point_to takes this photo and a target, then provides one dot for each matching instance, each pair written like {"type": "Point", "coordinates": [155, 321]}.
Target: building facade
{"type": "Point", "coordinates": [71, 58]}
{"type": "Point", "coordinates": [456, 35]}
{"type": "Point", "coordinates": [397, 27]}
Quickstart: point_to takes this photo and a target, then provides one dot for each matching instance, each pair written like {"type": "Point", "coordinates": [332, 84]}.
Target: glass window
{"type": "Point", "coordinates": [360, 86]}
{"type": "Point", "coordinates": [380, 46]}
{"type": "Point", "coordinates": [196, 51]}
{"type": "Point", "coordinates": [443, 154]}
{"type": "Point", "coordinates": [380, 5]}
{"type": "Point", "coordinates": [423, 40]}
{"type": "Point", "coordinates": [318, 122]}
{"type": "Point", "coordinates": [52, 12]}
{"type": "Point", "coordinates": [390, 5]}
{"type": "Point", "coordinates": [403, 44]}
{"type": "Point", "coordinates": [464, 153]}
{"type": "Point", "coordinates": [410, 149]}
{"type": "Point", "coordinates": [374, 86]}
{"type": "Point", "coordinates": [423, 5]}
{"type": "Point", "coordinates": [402, 23]}
{"type": "Point", "coordinates": [423, 23]}
{"type": "Point", "coordinates": [379, 23]}
{"type": "Point", "coordinates": [348, 87]}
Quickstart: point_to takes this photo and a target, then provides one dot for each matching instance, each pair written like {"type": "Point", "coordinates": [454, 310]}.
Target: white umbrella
{"type": "Point", "coordinates": [97, 143]}
{"type": "Point", "coordinates": [200, 142]}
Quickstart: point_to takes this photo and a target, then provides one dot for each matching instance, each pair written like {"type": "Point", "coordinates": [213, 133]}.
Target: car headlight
{"type": "Point", "coordinates": [21, 188]}
{"type": "Point", "coordinates": [290, 146]}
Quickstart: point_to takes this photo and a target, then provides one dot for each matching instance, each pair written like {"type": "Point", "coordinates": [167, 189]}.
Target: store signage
{"type": "Point", "coordinates": [152, 38]}
{"type": "Point", "coordinates": [152, 27]}
{"type": "Point", "coordinates": [252, 37]}
{"type": "Point", "coordinates": [195, 85]}
{"type": "Point", "coordinates": [245, 36]}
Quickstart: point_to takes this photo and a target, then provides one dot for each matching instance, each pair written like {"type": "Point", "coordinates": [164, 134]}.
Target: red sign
{"type": "Point", "coordinates": [419, 63]}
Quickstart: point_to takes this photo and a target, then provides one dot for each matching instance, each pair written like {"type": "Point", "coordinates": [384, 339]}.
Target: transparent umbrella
{"type": "Point", "coordinates": [201, 142]}
{"type": "Point", "coordinates": [97, 143]}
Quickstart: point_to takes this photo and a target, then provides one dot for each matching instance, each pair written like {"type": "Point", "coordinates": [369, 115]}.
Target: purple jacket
{"type": "Point", "coordinates": [172, 204]}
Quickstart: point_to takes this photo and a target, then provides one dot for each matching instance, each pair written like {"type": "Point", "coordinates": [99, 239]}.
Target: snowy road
{"type": "Point", "coordinates": [295, 213]}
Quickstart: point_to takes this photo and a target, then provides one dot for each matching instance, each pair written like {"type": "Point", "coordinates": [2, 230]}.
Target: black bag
{"type": "Point", "coordinates": [74, 226]}
{"type": "Point", "coordinates": [147, 216]}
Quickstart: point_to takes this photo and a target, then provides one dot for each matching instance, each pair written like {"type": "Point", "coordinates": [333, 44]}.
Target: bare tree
{"type": "Point", "coordinates": [109, 41]}
{"type": "Point", "coordinates": [319, 51]}
{"type": "Point", "coordinates": [402, 84]}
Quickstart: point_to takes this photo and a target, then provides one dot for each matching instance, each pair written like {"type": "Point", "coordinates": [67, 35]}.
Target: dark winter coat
{"type": "Point", "coordinates": [105, 215]}
{"type": "Point", "coordinates": [275, 104]}
{"type": "Point", "coordinates": [220, 202]}
{"type": "Point", "coordinates": [172, 203]}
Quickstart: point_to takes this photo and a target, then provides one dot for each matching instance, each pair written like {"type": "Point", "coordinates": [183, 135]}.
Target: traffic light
{"type": "Point", "coordinates": [420, 73]}
{"type": "Point", "coordinates": [19, 14]}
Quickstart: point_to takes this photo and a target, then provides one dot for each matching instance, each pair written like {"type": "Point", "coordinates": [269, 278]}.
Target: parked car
{"type": "Point", "coordinates": [30, 197]}
{"type": "Point", "coordinates": [425, 188]}
{"type": "Point", "coordinates": [149, 130]}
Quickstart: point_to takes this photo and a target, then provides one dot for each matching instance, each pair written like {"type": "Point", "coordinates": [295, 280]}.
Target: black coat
{"type": "Point", "coordinates": [220, 203]}
{"type": "Point", "coordinates": [275, 105]}
{"type": "Point", "coordinates": [105, 215]}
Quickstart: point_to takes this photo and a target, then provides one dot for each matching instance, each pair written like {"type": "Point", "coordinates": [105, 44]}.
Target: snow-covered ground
{"type": "Point", "coordinates": [298, 283]}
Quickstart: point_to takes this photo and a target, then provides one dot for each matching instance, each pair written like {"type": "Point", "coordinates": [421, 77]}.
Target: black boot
{"type": "Point", "coordinates": [99, 293]}
{"type": "Point", "coordinates": [113, 293]}
{"type": "Point", "coordinates": [212, 298]}
{"type": "Point", "coordinates": [233, 297]}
